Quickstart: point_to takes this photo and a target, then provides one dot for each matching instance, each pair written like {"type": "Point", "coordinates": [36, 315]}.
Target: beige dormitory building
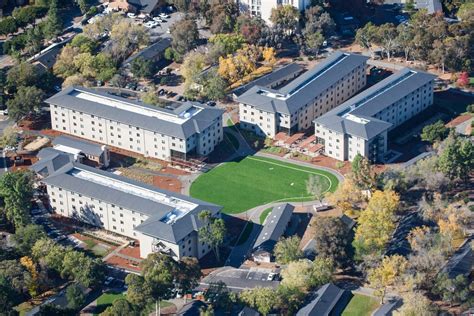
{"type": "Point", "coordinates": [360, 125]}
{"type": "Point", "coordinates": [181, 131]}
{"type": "Point", "coordinates": [294, 106]}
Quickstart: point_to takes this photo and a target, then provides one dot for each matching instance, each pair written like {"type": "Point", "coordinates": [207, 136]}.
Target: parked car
{"type": "Point", "coordinates": [211, 103]}
{"type": "Point", "coordinates": [131, 15]}
{"type": "Point", "coordinates": [161, 92]}
{"type": "Point", "coordinates": [164, 16]}
{"type": "Point", "coordinates": [108, 280]}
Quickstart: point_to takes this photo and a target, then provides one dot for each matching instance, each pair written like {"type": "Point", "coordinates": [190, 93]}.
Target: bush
{"type": "Point", "coordinates": [8, 25]}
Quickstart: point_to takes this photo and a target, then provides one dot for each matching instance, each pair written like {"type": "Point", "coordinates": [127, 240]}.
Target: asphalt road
{"type": "Point", "coordinates": [239, 279]}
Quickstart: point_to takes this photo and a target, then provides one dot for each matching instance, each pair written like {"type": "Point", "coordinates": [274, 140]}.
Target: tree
{"type": "Point", "coordinates": [185, 36]}
{"type": "Point", "coordinates": [188, 274]}
{"type": "Point", "coordinates": [138, 293]}
{"type": "Point", "coordinates": [54, 24]}
{"type": "Point", "coordinates": [333, 240]}
{"type": "Point", "coordinates": [250, 27]}
{"type": "Point", "coordinates": [76, 80]}
{"type": "Point", "coordinates": [305, 275]}
{"type": "Point", "coordinates": [319, 20]}
{"type": "Point", "coordinates": [214, 87]}
{"type": "Point", "coordinates": [212, 232]}
{"type": "Point", "coordinates": [386, 274]}
{"type": "Point", "coordinates": [452, 290]}
{"type": "Point", "coordinates": [434, 132]}
{"type": "Point", "coordinates": [126, 37]}
{"type": "Point", "coordinates": [363, 175]}
{"type": "Point", "coordinates": [219, 295]}
{"type": "Point", "coordinates": [22, 74]}
{"type": "Point", "coordinates": [286, 16]}
{"type": "Point", "coordinates": [85, 270]}
{"type": "Point", "coordinates": [25, 237]}
{"type": "Point", "coordinates": [121, 307]}
{"type": "Point", "coordinates": [84, 5]}
{"type": "Point", "coordinates": [313, 40]}
{"type": "Point", "coordinates": [8, 297]}
{"type": "Point", "coordinates": [16, 189]}
{"type": "Point", "coordinates": [347, 196]}
{"type": "Point", "coordinates": [289, 299]}
{"type": "Point", "coordinates": [463, 80]}
{"type": "Point", "coordinates": [142, 68]}
{"type": "Point", "coordinates": [84, 43]}
{"type": "Point", "coordinates": [191, 70]}
{"type": "Point", "coordinates": [26, 100]}
{"type": "Point", "coordinates": [75, 296]}
{"type": "Point", "coordinates": [8, 25]}
{"type": "Point", "coordinates": [49, 253]}
{"type": "Point", "coordinates": [376, 224]}
{"type": "Point", "coordinates": [262, 299]}
{"type": "Point", "coordinates": [32, 283]}
{"type": "Point", "coordinates": [466, 11]}
{"type": "Point", "coordinates": [366, 36]}
{"type": "Point", "coordinates": [416, 304]}
{"type": "Point", "coordinates": [34, 41]}
{"type": "Point", "coordinates": [16, 275]}
{"type": "Point", "coordinates": [288, 250]}
{"type": "Point", "coordinates": [9, 137]}
{"type": "Point", "coordinates": [456, 157]}
{"type": "Point", "coordinates": [386, 37]}
{"type": "Point", "coordinates": [229, 43]}
{"type": "Point", "coordinates": [221, 16]}
{"type": "Point", "coordinates": [315, 188]}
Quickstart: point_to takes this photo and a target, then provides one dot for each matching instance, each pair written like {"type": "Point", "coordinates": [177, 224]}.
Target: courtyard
{"type": "Point", "coordinates": [241, 185]}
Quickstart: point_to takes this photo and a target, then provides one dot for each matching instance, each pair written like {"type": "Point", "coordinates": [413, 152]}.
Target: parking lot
{"type": "Point", "coordinates": [240, 279]}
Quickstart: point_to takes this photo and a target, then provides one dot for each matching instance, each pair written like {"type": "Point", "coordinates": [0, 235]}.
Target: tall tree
{"type": "Point", "coordinates": [305, 275]}
{"type": "Point", "coordinates": [188, 274]}
{"type": "Point", "coordinates": [415, 303]}
{"type": "Point", "coordinates": [456, 157]}
{"type": "Point", "coordinates": [386, 38]}
{"type": "Point", "coordinates": [288, 250]}
{"type": "Point", "coordinates": [26, 100]}
{"type": "Point", "coordinates": [434, 132]}
{"type": "Point", "coordinates": [366, 36]}
{"type": "Point", "coordinates": [54, 23]}
{"type": "Point", "coordinates": [75, 296]}
{"type": "Point", "coordinates": [363, 175]}
{"type": "Point", "coordinates": [212, 232]}
{"type": "Point", "coordinates": [121, 307]}
{"type": "Point", "coordinates": [286, 16]}
{"type": "Point", "coordinates": [315, 187]}
{"type": "Point", "coordinates": [22, 74]}
{"type": "Point", "coordinates": [347, 196]}
{"type": "Point", "coordinates": [185, 37]}
{"type": "Point", "coordinates": [16, 189]}
{"type": "Point", "coordinates": [25, 237]}
{"type": "Point", "coordinates": [386, 274]}
{"type": "Point", "coordinates": [333, 240]}
{"type": "Point", "coordinates": [453, 290]}
{"type": "Point", "coordinates": [260, 298]}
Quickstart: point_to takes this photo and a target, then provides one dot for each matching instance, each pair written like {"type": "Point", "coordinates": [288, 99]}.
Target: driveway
{"type": "Point", "coordinates": [239, 279]}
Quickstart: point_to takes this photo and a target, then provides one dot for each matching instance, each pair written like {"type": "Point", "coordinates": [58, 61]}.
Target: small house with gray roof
{"type": "Point", "coordinates": [274, 227]}
{"type": "Point", "coordinates": [360, 125]}
{"type": "Point", "coordinates": [179, 130]}
{"type": "Point", "coordinates": [328, 300]}
{"type": "Point", "coordinates": [293, 107]}
{"type": "Point", "coordinates": [160, 220]}
{"type": "Point", "coordinates": [83, 151]}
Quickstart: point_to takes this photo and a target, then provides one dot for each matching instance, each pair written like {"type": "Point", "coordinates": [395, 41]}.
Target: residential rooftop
{"type": "Point", "coordinates": [171, 216]}
{"type": "Point", "coordinates": [183, 121]}
{"type": "Point", "coordinates": [355, 116]}
{"type": "Point", "coordinates": [304, 88]}
{"type": "Point", "coordinates": [71, 145]}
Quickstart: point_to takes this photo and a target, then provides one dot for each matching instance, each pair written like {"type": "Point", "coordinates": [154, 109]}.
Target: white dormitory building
{"type": "Point", "coordinates": [160, 220]}
{"type": "Point", "coordinates": [177, 131]}
{"type": "Point", "coordinates": [294, 106]}
{"type": "Point", "coordinates": [360, 125]}
{"type": "Point", "coordinates": [263, 8]}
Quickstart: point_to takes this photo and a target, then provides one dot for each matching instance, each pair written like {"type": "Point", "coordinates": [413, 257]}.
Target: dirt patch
{"type": "Point", "coordinates": [131, 251]}
{"type": "Point", "coordinates": [50, 132]}
{"type": "Point", "coordinates": [137, 175]}
{"type": "Point", "coordinates": [166, 183]}
{"type": "Point", "coordinates": [458, 120]}
{"type": "Point", "coordinates": [173, 171]}
{"type": "Point", "coordinates": [123, 263]}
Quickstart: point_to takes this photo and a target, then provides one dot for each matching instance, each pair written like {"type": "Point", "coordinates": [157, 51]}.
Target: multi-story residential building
{"type": "Point", "coordinates": [263, 8]}
{"type": "Point", "coordinates": [293, 107]}
{"type": "Point", "coordinates": [176, 131]}
{"type": "Point", "coordinates": [360, 125]}
{"type": "Point", "coordinates": [160, 220]}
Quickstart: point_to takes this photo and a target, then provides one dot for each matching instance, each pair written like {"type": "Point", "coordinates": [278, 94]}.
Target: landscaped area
{"type": "Point", "coordinates": [242, 185]}
{"type": "Point", "coordinates": [264, 215]}
{"type": "Point", "coordinates": [361, 305]}
{"type": "Point", "coordinates": [105, 300]}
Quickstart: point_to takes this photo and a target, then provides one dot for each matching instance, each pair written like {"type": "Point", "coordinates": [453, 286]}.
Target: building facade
{"type": "Point", "coordinates": [263, 8]}
{"type": "Point", "coordinates": [177, 131]}
{"type": "Point", "coordinates": [293, 107]}
{"type": "Point", "coordinates": [360, 125]}
{"type": "Point", "coordinates": [160, 220]}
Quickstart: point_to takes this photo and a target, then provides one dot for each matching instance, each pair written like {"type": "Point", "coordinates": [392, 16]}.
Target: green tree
{"type": "Point", "coordinates": [315, 187]}
{"type": "Point", "coordinates": [22, 74]}
{"type": "Point", "coordinates": [453, 290]}
{"type": "Point", "coordinates": [286, 16]}
{"type": "Point", "coordinates": [212, 232]}
{"type": "Point", "coordinates": [229, 43]}
{"type": "Point", "coordinates": [214, 87]}
{"type": "Point", "coordinates": [16, 189]}
{"type": "Point", "coordinates": [188, 274]}
{"type": "Point", "coordinates": [138, 293]}
{"type": "Point", "coordinates": [84, 43]}
{"type": "Point", "coordinates": [305, 275]}
{"type": "Point", "coordinates": [121, 307]}
{"type": "Point", "coordinates": [456, 157]}
{"type": "Point", "coordinates": [25, 237]}
{"type": "Point", "coordinates": [333, 240]}
{"type": "Point", "coordinates": [363, 175]}
{"type": "Point", "coordinates": [8, 297]}
{"type": "Point", "coordinates": [288, 250]}
{"type": "Point", "coordinates": [366, 36]}
{"type": "Point", "coordinates": [313, 40]}
{"type": "Point", "coordinates": [219, 295]}
{"type": "Point", "coordinates": [416, 304]}
{"type": "Point", "coordinates": [85, 270]}
{"type": "Point", "coordinates": [26, 100]}
{"type": "Point", "coordinates": [47, 252]}
{"type": "Point", "coordinates": [8, 25]}
{"type": "Point", "coordinates": [142, 68]}
{"type": "Point", "coordinates": [84, 5]}
{"type": "Point", "coordinates": [54, 23]}
{"type": "Point", "coordinates": [75, 296]}
{"type": "Point", "coordinates": [16, 275]}
{"type": "Point", "coordinates": [289, 299]}
{"type": "Point", "coordinates": [386, 37]}
{"type": "Point", "coordinates": [434, 132]}
{"type": "Point", "coordinates": [260, 298]}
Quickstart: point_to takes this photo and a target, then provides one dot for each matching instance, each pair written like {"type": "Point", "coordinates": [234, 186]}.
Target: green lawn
{"type": "Point", "coordinates": [264, 215]}
{"type": "Point", "coordinates": [105, 300]}
{"type": "Point", "coordinates": [253, 181]}
{"type": "Point", "coordinates": [361, 305]}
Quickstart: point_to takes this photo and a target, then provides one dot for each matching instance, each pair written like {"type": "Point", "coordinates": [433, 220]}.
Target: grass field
{"type": "Point", "coordinates": [239, 186]}
{"type": "Point", "coordinates": [361, 305]}
{"type": "Point", "coordinates": [264, 215]}
{"type": "Point", "coordinates": [105, 300]}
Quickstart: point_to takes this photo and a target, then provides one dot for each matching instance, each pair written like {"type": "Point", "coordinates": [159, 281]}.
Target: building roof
{"type": "Point", "coordinates": [187, 119]}
{"type": "Point", "coordinates": [84, 146]}
{"type": "Point", "coordinates": [326, 299]}
{"type": "Point", "coordinates": [270, 79]}
{"type": "Point", "coordinates": [50, 161]}
{"type": "Point", "coordinates": [432, 6]}
{"type": "Point", "coordinates": [171, 216]}
{"type": "Point", "coordinates": [152, 51]}
{"type": "Point", "coordinates": [247, 311]}
{"type": "Point", "coordinates": [192, 308]}
{"type": "Point", "coordinates": [145, 6]}
{"type": "Point", "coordinates": [274, 227]}
{"type": "Point", "coordinates": [461, 261]}
{"type": "Point", "coordinates": [349, 222]}
{"type": "Point", "coordinates": [355, 116]}
{"type": "Point", "coordinates": [388, 308]}
{"type": "Point", "coordinates": [305, 88]}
